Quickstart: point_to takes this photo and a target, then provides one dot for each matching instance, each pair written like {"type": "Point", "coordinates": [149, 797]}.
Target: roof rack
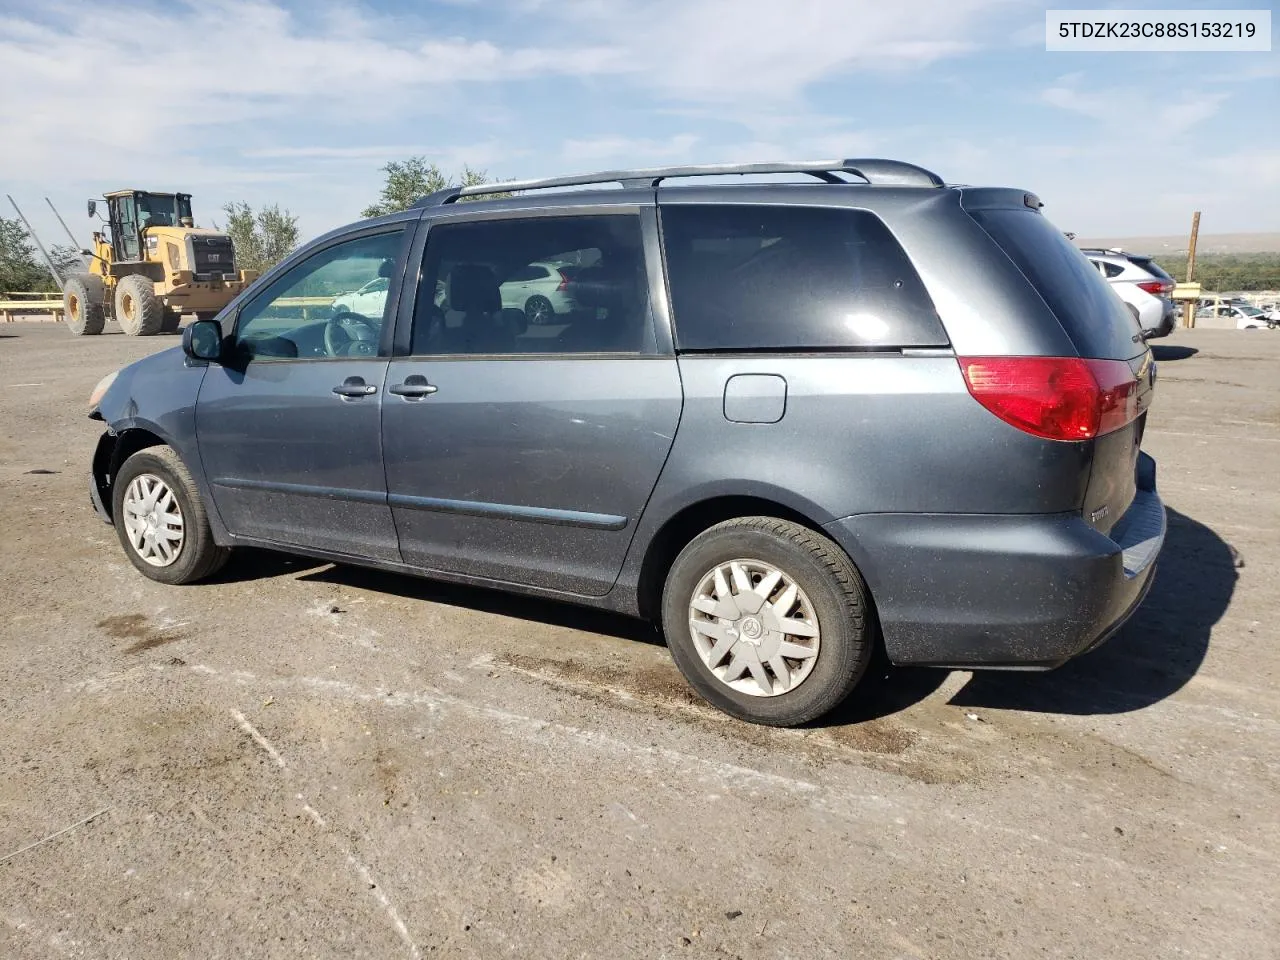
{"type": "Point", "coordinates": [879, 173]}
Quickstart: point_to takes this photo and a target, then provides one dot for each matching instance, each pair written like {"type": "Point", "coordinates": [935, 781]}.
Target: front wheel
{"type": "Point", "coordinates": [161, 521]}
{"type": "Point", "coordinates": [138, 310]}
{"type": "Point", "coordinates": [767, 620]}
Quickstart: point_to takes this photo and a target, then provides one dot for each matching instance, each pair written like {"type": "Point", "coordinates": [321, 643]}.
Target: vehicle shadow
{"type": "Point", "coordinates": [1156, 653]}
{"type": "Point", "coordinates": [250, 563]}
{"type": "Point", "coordinates": [537, 609]}
{"type": "Point", "coordinates": [1169, 351]}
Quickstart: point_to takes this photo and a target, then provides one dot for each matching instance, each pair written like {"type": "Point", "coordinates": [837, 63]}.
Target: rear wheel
{"type": "Point", "coordinates": [161, 521]}
{"type": "Point", "coordinates": [138, 309]}
{"type": "Point", "coordinates": [538, 309]}
{"type": "Point", "coordinates": [767, 620]}
{"type": "Point", "coordinates": [84, 298]}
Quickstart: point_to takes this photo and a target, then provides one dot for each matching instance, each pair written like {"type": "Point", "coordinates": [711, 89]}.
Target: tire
{"type": "Point", "coordinates": [138, 309]}
{"type": "Point", "coordinates": [830, 593]}
{"type": "Point", "coordinates": [538, 310]}
{"type": "Point", "coordinates": [84, 298]}
{"type": "Point", "coordinates": [172, 322]}
{"type": "Point", "coordinates": [195, 556]}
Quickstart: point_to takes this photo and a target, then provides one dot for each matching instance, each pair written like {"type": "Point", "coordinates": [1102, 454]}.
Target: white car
{"type": "Point", "coordinates": [369, 301]}
{"type": "Point", "coordinates": [1142, 284]}
{"type": "Point", "coordinates": [1245, 317]}
{"type": "Point", "coordinates": [542, 290]}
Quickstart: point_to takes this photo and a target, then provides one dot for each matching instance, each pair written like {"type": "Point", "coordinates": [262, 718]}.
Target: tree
{"type": "Point", "coordinates": [67, 259]}
{"type": "Point", "coordinates": [262, 239]}
{"type": "Point", "coordinates": [20, 271]}
{"type": "Point", "coordinates": [1228, 271]}
{"type": "Point", "coordinates": [408, 181]}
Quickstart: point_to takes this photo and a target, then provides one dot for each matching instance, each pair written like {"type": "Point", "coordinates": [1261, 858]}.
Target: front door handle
{"type": "Point", "coordinates": [354, 387]}
{"type": "Point", "coordinates": [415, 387]}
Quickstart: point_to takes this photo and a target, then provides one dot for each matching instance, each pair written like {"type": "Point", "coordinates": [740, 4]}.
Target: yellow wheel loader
{"type": "Point", "coordinates": [153, 267]}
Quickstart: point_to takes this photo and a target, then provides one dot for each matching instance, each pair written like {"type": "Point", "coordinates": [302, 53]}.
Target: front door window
{"type": "Point", "coordinates": [332, 304]}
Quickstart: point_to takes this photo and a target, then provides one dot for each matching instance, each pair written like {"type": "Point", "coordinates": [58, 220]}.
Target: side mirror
{"type": "Point", "coordinates": [202, 340]}
{"type": "Point", "coordinates": [93, 207]}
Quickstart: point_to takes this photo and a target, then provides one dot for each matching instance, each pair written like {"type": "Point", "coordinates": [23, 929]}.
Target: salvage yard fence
{"type": "Point", "coordinates": [14, 305]}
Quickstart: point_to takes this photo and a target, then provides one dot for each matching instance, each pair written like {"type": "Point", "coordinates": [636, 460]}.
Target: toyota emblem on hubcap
{"type": "Point", "coordinates": [751, 630]}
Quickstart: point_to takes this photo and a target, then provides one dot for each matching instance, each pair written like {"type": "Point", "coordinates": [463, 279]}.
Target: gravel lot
{"type": "Point", "coordinates": [308, 760]}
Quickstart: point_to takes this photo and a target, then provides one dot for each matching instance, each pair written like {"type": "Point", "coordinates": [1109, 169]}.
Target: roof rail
{"type": "Point", "coordinates": [880, 173]}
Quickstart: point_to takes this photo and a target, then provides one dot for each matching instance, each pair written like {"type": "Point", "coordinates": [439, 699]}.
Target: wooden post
{"type": "Point", "coordinates": [1190, 309]}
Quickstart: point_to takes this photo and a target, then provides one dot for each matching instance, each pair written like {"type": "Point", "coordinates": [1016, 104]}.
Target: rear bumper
{"type": "Point", "coordinates": [1011, 591]}
{"type": "Point", "coordinates": [1167, 322]}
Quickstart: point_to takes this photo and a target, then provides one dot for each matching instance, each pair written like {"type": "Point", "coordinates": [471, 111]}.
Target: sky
{"type": "Point", "coordinates": [300, 102]}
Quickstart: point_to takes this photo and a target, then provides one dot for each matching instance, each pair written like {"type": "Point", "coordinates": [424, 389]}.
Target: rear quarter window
{"type": "Point", "coordinates": [1092, 315]}
{"type": "Point", "coordinates": [746, 277]}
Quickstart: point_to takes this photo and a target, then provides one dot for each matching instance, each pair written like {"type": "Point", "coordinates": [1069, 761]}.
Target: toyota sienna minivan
{"type": "Point", "coordinates": [789, 422]}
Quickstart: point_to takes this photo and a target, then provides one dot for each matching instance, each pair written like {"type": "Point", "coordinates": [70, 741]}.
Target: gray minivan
{"type": "Point", "coordinates": [787, 421]}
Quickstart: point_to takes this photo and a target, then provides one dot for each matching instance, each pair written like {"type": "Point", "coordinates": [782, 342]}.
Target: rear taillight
{"type": "Point", "coordinates": [564, 282]}
{"type": "Point", "coordinates": [1157, 288]}
{"type": "Point", "coordinates": [1058, 398]}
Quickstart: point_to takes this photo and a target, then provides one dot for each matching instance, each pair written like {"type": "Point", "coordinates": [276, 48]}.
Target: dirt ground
{"type": "Point", "coordinates": [305, 760]}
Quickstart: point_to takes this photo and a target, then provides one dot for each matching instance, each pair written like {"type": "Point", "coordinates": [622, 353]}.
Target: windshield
{"type": "Point", "coordinates": [1250, 311]}
{"type": "Point", "coordinates": [163, 209]}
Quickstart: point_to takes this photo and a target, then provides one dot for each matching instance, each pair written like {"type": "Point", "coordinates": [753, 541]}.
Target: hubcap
{"type": "Point", "coordinates": [754, 628]}
{"type": "Point", "coordinates": [153, 520]}
{"type": "Point", "coordinates": [126, 302]}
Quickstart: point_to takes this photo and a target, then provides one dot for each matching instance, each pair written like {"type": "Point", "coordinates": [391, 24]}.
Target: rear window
{"type": "Point", "coordinates": [1095, 319]}
{"type": "Point", "coordinates": [791, 278]}
{"type": "Point", "coordinates": [1153, 268]}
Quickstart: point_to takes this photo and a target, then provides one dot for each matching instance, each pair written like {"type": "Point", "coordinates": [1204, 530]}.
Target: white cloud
{"type": "Point", "coordinates": [632, 151]}
{"type": "Point", "coordinates": [92, 102]}
{"type": "Point", "coordinates": [1121, 107]}
{"type": "Point", "coordinates": [330, 153]}
{"type": "Point", "coordinates": [302, 104]}
{"type": "Point", "coordinates": [748, 51]}
{"type": "Point", "coordinates": [1255, 168]}
{"type": "Point", "coordinates": [255, 61]}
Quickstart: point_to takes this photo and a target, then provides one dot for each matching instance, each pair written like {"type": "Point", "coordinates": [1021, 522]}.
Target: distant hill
{"type": "Point", "coordinates": [1209, 243]}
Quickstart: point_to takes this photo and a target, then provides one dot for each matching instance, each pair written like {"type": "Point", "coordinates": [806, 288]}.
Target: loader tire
{"type": "Point", "coordinates": [138, 309]}
{"type": "Point", "coordinates": [84, 298]}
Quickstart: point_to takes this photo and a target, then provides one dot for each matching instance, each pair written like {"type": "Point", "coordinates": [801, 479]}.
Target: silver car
{"type": "Point", "coordinates": [1142, 284]}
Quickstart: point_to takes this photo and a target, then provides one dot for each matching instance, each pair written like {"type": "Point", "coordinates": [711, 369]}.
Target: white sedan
{"type": "Point", "coordinates": [1245, 317]}
{"type": "Point", "coordinates": [368, 301]}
